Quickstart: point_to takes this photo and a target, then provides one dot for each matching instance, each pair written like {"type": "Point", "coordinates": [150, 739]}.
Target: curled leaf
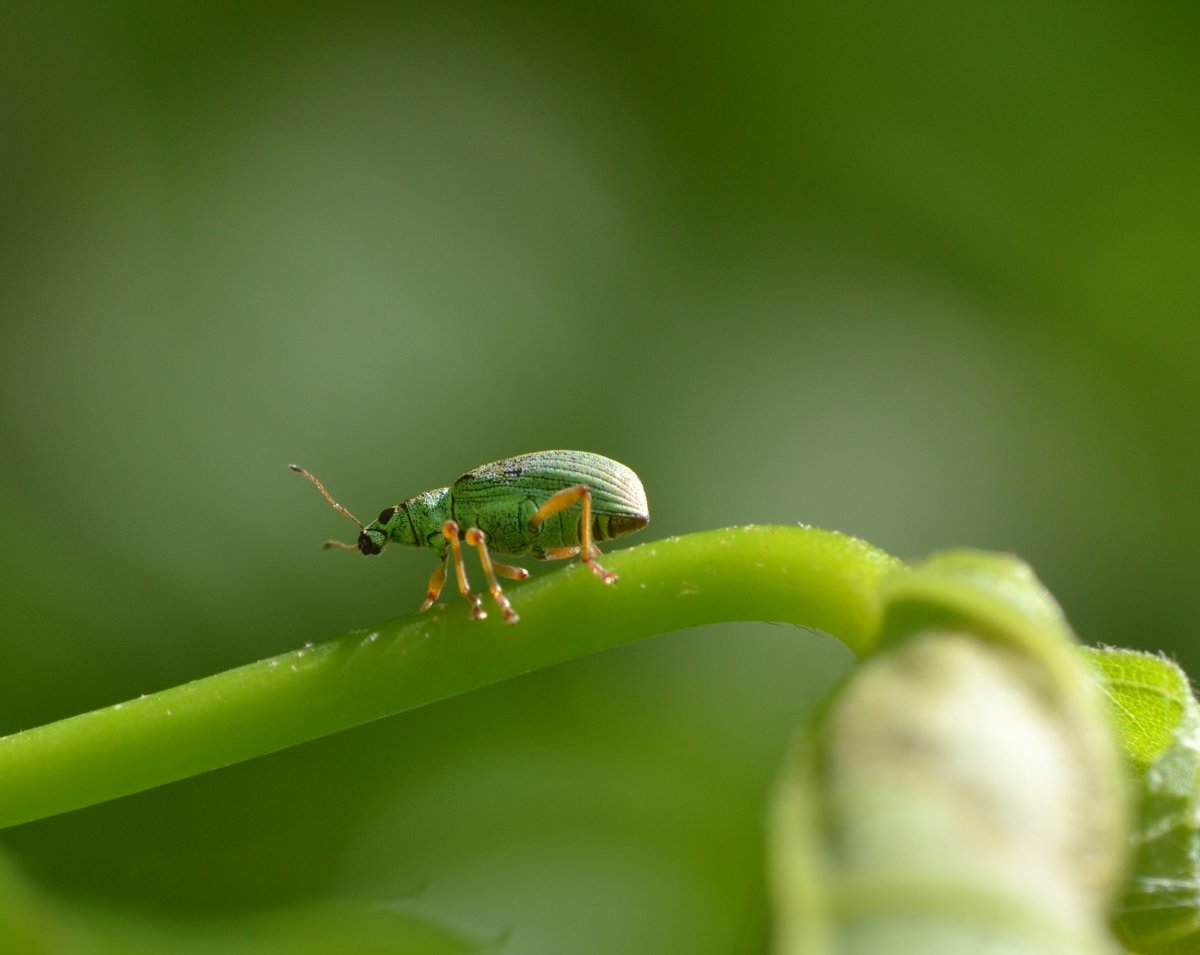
{"type": "Point", "coordinates": [962, 791]}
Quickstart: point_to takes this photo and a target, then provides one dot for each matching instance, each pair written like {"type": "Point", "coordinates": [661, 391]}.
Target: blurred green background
{"type": "Point", "coordinates": [925, 274]}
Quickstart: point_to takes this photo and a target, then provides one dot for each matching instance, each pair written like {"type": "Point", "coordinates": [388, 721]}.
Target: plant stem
{"type": "Point", "coordinates": [798, 575]}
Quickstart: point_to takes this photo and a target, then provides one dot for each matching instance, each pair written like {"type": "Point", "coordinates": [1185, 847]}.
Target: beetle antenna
{"type": "Point", "coordinates": [337, 506]}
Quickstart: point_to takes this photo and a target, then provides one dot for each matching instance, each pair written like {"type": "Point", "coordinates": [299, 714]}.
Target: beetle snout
{"type": "Point", "coordinates": [368, 544]}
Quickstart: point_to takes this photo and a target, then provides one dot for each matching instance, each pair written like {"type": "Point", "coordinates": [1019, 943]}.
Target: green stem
{"type": "Point", "coordinates": [797, 575]}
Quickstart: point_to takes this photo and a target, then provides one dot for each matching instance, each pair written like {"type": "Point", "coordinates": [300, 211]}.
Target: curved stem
{"type": "Point", "coordinates": [797, 575]}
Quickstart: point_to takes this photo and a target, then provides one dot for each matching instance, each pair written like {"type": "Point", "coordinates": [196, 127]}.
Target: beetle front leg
{"type": "Point", "coordinates": [477, 539]}
{"type": "Point", "coordinates": [587, 548]}
{"type": "Point", "coordinates": [450, 532]}
{"type": "Point", "coordinates": [437, 580]}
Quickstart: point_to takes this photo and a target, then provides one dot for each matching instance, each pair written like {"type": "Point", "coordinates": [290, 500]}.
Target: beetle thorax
{"type": "Point", "coordinates": [418, 521]}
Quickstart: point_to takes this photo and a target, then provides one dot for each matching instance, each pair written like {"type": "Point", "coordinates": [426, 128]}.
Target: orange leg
{"type": "Point", "coordinates": [450, 532]}
{"type": "Point", "coordinates": [559, 553]}
{"type": "Point", "coordinates": [587, 549]}
{"type": "Point", "coordinates": [436, 581]}
{"type": "Point", "coordinates": [477, 539]}
{"type": "Point", "coordinates": [509, 571]}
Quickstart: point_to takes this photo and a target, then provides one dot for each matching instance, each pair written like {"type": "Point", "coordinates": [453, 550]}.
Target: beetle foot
{"type": "Point", "coordinates": [477, 611]}
{"type": "Point", "coordinates": [510, 615]}
{"type": "Point", "coordinates": [605, 575]}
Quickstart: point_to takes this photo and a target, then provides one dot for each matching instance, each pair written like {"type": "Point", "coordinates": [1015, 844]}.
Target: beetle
{"type": "Point", "coordinates": [551, 504]}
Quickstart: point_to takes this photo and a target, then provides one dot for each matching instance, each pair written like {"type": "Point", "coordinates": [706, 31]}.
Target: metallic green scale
{"type": "Point", "coordinates": [550, 504]}
{"type": "Point", "coordinates": [501, 498]}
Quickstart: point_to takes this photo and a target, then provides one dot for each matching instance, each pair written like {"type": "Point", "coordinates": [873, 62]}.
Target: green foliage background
{"type": "Point", "coordinates": [926, 275]}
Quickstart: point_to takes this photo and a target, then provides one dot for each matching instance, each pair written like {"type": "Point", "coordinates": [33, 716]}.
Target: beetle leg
{"type": "Point", "coordinates": [450, 532]}
{"type": "Point", "coordinates": [478, 539]}
{"type": "Point", "coordinates": [558, 553]}
{"type": "Point", "coordinates": [587, 550]}
{"type": "Point", "coordinates": [436, 581]}
{"type": "Point", "coordinates": [509, 571]}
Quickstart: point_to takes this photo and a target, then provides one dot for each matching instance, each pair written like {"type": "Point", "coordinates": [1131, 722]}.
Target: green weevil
{"type": "Point", "coordinates": [551, 504]}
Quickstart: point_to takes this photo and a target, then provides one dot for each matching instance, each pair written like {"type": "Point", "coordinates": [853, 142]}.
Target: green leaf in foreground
{"type": "Point", "coordinates": [961, 792]}
{"type": "Point", "coordinates": [1158, 911]}
{"type": "Point", "coordinates": [799, 575]}
{"type": "Point", "coordinates": [32, 923]}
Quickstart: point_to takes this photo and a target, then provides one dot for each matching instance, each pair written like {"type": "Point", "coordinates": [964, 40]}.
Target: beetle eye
{"type": "Point", "coordinates": [386, 514]}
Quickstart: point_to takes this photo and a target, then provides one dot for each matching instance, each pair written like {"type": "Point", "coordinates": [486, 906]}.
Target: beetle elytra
{"type": "Point", "coordinates": [551, 504]}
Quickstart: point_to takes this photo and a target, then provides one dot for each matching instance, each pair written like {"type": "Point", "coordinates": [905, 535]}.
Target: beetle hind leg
{"type": "Point", "coordinates": [587, 548]}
